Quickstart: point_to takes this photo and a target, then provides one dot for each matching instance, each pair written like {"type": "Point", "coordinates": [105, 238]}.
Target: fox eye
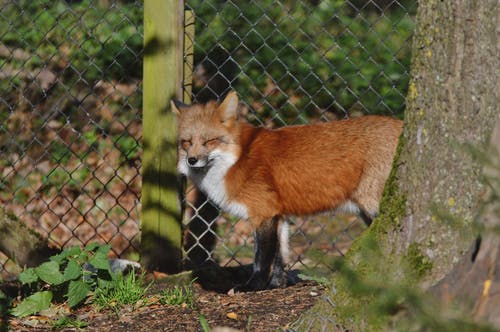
{"type": "Point", "coordinates": [185, 143]}
{"type": "Point", "coordinates": [212, 141]}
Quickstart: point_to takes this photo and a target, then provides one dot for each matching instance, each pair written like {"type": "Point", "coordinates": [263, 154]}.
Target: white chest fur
{"type": "Point", "coordinates": [212, 182]}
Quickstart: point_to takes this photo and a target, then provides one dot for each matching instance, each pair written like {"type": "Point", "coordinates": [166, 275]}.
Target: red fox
{"type": "Point", "coordinates": [263, 175]}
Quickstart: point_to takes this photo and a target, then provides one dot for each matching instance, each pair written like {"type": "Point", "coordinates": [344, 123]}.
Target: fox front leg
{"type": "Point", "coordinates": [279, 277]}
{"type": "Point", "coordinates": [265, 248]}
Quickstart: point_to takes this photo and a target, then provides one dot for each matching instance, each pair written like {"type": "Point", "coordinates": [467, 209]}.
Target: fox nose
{"type": "Point", "coordinates": [192, 160]}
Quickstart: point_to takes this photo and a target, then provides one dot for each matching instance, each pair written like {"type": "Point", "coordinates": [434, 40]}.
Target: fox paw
{"type": "Point", "coordinates": [253, 284]}
{"type": "Point", "coordinates": [280, 281]}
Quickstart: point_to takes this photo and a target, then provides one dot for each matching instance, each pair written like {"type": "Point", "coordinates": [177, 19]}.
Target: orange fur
{"type": "Point", "coordinates": [300, 170]}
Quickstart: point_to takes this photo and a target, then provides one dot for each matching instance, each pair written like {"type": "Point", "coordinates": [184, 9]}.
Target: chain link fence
{"type": "Point", "coordinates": [292, 62]}
{"type": "Point", "coordinates": [70, 107]}
{"type": "Point", "coordinates": [70, 120]}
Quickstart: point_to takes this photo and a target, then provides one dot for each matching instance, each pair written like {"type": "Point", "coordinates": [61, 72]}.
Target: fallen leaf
{"type": "Point", "coordinates": [232, 315]}
{"type": "Point", "coordinates": [159, 275]}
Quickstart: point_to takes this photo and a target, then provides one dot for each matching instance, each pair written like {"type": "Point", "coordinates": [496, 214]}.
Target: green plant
{"type": "Point", "coordinates": [249, 323]}
{"type": "Point", "coordinates": [68, 322]}
{"type": "Point", "coordinates": [121, 290]}
{"type": "Point", "coordinates": [72, 274]}
{"type": "Point", "coordinates": [204, 324]}
{"type": "Point", "coordinates": [179, 295]}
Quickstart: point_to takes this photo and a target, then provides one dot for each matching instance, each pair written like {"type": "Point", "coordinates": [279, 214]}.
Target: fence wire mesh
{"type": "Point", "coordinates": [292, 62]}
{"type": "Point", "coordinates": [70, 107]}
{"type": "Point", "coordinates": [70, 120]}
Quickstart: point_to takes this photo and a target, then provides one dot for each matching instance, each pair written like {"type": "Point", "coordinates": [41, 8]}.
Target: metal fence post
{"type": "Point", "coordinates": [161, 212]}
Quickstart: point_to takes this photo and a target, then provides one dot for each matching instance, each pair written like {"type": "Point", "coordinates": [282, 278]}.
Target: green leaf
{"type": "Point", "coordinates": [204, 323]}
{"type": "Point", "coordinates": [91, 246]}
{"type": "Point", "coordinates": [49, 272]}
{"type": "Point", "coordinates": [59, 258]}
{"type": "Point", "coordinates": [104, 250]}
{"type": "Point", "coordinates": [33, 304]}
{"type": "Point", "coordinates": [83, 257]}
{"type": "Point", "coordinates": [105, 283]}
{"type": "Point", "coordinates": [28, 276]}
{"type": "Point", "coordinates": [77, 291]}
{"type": "Point", "coordinates": [72, 271]}
{"type": "Point", "coordinates": [100, 260]}
{"type": "Point", "coordinates": [73, 251]}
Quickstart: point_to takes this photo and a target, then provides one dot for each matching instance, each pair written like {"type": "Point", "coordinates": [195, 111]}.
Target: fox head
{"type": "Point", "coordinates": [206, 135]}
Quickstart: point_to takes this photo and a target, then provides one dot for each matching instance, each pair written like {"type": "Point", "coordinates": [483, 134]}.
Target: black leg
{"type": "Point", "coordinates": [367, 218]}
{"type": "Point", "coordinates": [266, 245]}
{"type": "Point", "coordinates": [279, 276]}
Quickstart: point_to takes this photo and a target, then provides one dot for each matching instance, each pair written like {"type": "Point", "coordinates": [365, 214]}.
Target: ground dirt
{"type": "Point", "coordinates": [267, 310]}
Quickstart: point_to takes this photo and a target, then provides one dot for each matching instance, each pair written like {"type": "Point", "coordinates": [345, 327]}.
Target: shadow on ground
{"type": "Point", "coordinates": [213, 277]}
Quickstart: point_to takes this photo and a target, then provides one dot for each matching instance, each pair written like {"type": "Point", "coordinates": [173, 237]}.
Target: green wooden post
{"type": "Point", "coordinates": [189, 20]}
{"type": "Point", "coordinates": [161, 212]}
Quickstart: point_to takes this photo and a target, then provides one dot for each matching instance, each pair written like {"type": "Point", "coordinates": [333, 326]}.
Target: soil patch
{"type": "Point", "coordinates": [267, 310]}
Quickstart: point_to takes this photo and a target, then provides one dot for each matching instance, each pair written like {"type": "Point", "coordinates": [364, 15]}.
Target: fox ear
{"type": "Point", "coordinates": [177, 106]}
{"type": "Point", "coordinates": [229, 107]}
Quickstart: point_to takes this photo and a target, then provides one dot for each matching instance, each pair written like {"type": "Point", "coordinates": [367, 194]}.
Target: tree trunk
{"type": "Point", "coordinates": [452, 100]}
{"type": "Point", "coordinates": [475, 283]}
{"type": "Point", "coordinates": [433, 194]}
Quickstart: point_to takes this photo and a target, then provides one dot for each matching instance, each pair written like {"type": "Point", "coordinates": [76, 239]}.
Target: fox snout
{"type": "Point", "coordinates": [196, 162]}
{"type": "Point", "coordinates": [189, 163]}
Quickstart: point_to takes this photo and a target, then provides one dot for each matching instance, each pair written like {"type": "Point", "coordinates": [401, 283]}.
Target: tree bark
{"type": "Point", "coordinates": [475, 281]}
{"type": "Point", "coordinates": [433, 194]}
{"type": "Point", "coordinates": [452, 100]}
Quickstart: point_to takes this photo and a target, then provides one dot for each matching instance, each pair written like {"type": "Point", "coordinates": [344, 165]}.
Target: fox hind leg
{"type": "Point", "coordinates": [366, 217]}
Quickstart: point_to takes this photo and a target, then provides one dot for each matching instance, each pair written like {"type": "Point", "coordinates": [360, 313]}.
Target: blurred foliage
{"type": "Point", "coordinates": [69, 62]}
{"type": "Point", "coordinates": [374, 294]}
{"type": "Point", "coordinates": [391, 300]}
{"type": "Point", "coordinates": [307, 56]}
{"type": "Point", "coordinates": [96, 42]}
